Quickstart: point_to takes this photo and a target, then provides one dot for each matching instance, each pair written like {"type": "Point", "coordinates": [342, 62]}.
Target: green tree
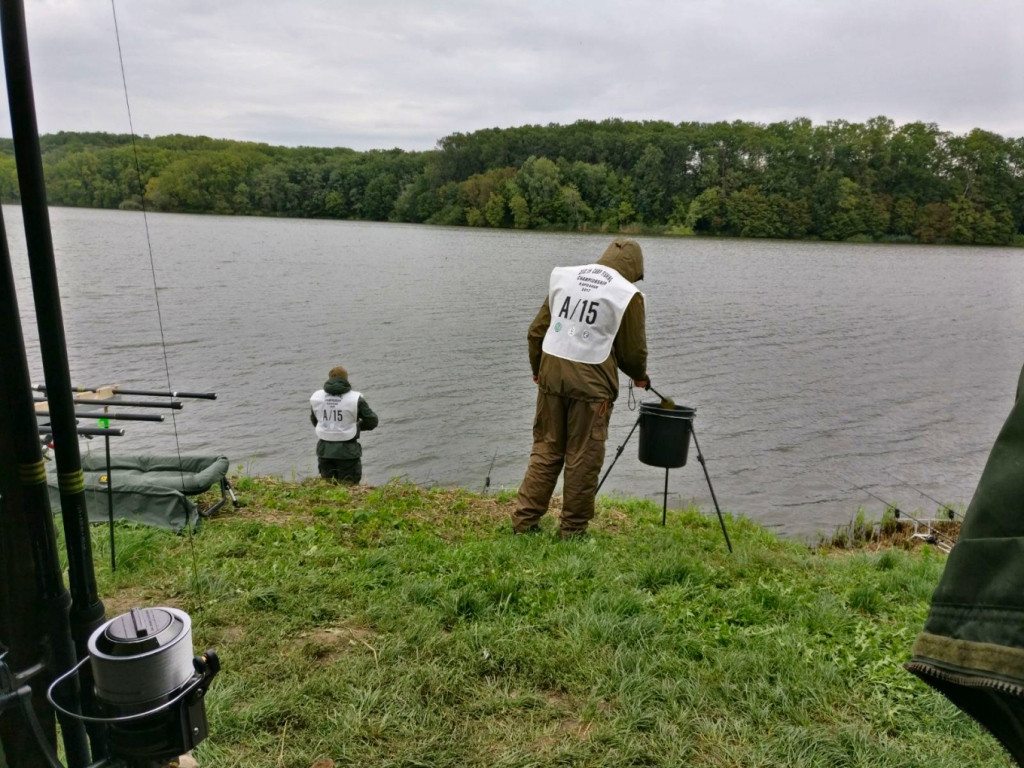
{"type": "Point", "coordinates": [707, 214]}
{"type": "Point", "coordinates": [576, 212]}
{"type": "Point", "coordinates": [649, 182]}
{"type": "Point", "coordinates": [541, 183]}
{"type": "Point", "coordinates": [379, 197]}
{"type": "Point", "coordinates": [904, 217]}
{"type": "Point", "coordinates": [494, 212]}
{"type": "Point", "coordinates": [751, 214]}
{"type": "Point", "coordinates": [847, 218]}
{"type": "Point", "coordinates": [8, 180]}
{"type": "Point", "coordinates": [935, 223]}
{"type": "Point", "coordinates": [520, 212]}
{"type": "Point", "coordinates": [835, 180]}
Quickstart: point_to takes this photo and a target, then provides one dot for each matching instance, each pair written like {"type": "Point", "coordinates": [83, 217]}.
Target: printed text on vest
{"type": "Point", "coordinates": [587, 304]}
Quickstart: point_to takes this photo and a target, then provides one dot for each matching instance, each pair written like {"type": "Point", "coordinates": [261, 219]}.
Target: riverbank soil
{"type": "Point", "coordinates": [404, 627]}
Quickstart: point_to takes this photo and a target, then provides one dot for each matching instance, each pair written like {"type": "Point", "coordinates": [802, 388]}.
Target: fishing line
{"type": "Point", "coordinates": [156, 293]}
{"type": "Point", "coordinates": [952, 514]}
{"type": "Point", "coordinates": [897, 510]}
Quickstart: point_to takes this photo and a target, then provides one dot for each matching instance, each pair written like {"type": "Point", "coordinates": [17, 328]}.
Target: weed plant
{"type": "Point", "coordinates": [405, 627]}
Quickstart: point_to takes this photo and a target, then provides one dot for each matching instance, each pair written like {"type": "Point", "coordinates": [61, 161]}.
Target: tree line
{"type": "Point", "coordinates": [872, 181]}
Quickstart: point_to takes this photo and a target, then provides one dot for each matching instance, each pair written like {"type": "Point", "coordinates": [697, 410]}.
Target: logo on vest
{"type": "Point", "coordinates": [558, 327]}
{"type": "Point", "coordinates": [586, 335]}
{"type": "Point", "coordinates": [572, 330]}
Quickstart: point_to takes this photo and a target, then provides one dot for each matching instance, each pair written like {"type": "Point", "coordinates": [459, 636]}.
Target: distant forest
{"type": "Point", "coordinates": [872, 181]}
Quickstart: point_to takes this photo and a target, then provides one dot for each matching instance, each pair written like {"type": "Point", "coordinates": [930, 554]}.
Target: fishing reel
{"type": "Point", "coordinates": [149, 689]}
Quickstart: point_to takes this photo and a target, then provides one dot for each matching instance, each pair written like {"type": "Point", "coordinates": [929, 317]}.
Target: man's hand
{"type": "Point", "coordinates": [643, 383]}
{"type": "Point", "coordinates": [534, 379]}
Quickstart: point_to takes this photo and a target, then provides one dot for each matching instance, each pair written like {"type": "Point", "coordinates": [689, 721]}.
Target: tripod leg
{"type": "Point", "coordinates": [664, 501]}
{"type": "Point", "coordinates": [700, 458]}
{"type": "Point", "coordinates": [618, 452]}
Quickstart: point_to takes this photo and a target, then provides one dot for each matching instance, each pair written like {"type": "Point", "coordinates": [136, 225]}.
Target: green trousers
{"type": "Point", "coordinates": [571, 434]}
{"type": "Point", "coordinates": [341, 470]}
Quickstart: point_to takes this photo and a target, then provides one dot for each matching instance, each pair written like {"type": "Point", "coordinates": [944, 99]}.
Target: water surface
{"type": "Point", "coordinates": [807, 362]}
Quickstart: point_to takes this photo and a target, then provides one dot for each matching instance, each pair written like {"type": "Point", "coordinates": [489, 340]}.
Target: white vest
{"type": "Point", "coordinates": [587, 304]}
{"type": "Point", "coordinates": [337, 416]}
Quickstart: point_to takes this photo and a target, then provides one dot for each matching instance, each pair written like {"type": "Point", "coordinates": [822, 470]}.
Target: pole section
{"type": "Point", "coordinates": [37, 602]}
{"type": "Point", "coordinates": [110, 504]}
{"type": "Point", "coordinates": [87, 611]}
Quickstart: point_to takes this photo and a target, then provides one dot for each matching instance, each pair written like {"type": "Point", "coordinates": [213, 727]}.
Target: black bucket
{"type": "Point", "coordinates": [665, 435]}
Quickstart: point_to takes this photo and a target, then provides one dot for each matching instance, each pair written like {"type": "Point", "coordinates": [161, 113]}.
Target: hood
{"type": "Point", "coordinates": [625, 257]}
{"type": "Point", "coordinates": [337, 386]}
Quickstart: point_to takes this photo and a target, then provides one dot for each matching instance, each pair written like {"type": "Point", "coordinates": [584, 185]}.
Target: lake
{"type": "Point", "coordinates": [808, 363]}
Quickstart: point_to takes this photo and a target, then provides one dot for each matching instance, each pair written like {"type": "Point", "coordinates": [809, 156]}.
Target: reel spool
{"type": "Point", "coordinates": [148, 686]}
{"type": "Point", "coordinates": [141, 657]}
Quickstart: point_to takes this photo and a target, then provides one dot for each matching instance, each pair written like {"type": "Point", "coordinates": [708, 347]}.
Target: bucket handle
{"type": "Point", "coordinates": [123, 718]}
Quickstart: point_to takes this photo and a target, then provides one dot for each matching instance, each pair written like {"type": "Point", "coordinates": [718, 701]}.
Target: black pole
{"type": "Point", "coordinates": [700, 458]}
{"type": "Point", "coordinates": [110, 504]}
{"type": "Point", "coordinates": [147, 392]}
{"type": "Point", "coordinates": [111, 416]}
{"type": "Point", "coordinates": [664, 501]}
{"type": "Point", "coordinates": [87, 611]}
{"type": "Point", "coordinates": [174, 405]}
{"type": "Point", "coordinates": [618, 452]}
{"type": "Point", "coordinates": [29, 559]}
{"type": "Point", "coordinates": [86, 431]}
{"type": "Point", "coordinates": [158, 393]}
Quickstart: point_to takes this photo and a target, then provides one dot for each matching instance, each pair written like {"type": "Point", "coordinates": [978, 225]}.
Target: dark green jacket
{"type": "Point", "coordinates": [347, 449]}
{"type": "Point", "coordinates": [972, 646]}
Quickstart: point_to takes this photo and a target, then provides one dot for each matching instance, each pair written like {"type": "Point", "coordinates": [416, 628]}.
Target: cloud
{"type": "Point", "coordinates": [401, 73]}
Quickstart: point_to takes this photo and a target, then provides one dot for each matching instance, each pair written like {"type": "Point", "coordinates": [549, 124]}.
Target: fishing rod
{"type": "Point", "coordinates": [139, 392]}
{"type": "Point", "coordinates": [174, 405]}
{"type": "Point", "coordinates": [87, 432]}
{"type": "Point", "coordinates": [111, 416]}
{"type": "Point", "coordinates": [487, 481]}
{"type": "Point", "coordinates": [898, 512]}
{"type": "Point", "coordinates": [87, 612]}
{"type": "Point", "coordinates": [949, 510]}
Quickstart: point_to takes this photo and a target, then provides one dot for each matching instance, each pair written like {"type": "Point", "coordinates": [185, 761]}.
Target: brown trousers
{"type": "Point", "coordinates": [571, 433]}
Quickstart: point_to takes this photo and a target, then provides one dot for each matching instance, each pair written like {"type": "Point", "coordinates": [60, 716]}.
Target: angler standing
{"type": "Point", "coordinates": [590, 326]}
{"type": "Point", "coordinates": [339, 414]}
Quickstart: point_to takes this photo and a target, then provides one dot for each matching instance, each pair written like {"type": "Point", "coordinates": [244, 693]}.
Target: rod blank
{"type": "Point", "coordinates": [176, 405]}
{"type": "Point", "coordinates": [113, 416]}
{"type": "Point", "coordinates": [89, 431]}
{"type": "Point", "coordinates": [140, 392]}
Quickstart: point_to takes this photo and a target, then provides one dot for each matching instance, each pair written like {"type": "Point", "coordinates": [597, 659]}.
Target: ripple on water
{"type": "Point", "coordinates": [805, 361]}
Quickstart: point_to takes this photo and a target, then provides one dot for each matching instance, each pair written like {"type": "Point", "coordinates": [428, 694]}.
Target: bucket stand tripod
{"type": "Point", "coordinates": [664, 503]}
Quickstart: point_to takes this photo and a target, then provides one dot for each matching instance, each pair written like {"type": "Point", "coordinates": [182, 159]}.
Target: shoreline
{"type": "Point", "coordinates": [862, 533]}
{"type": "Point", "coordinates": [659, 231]}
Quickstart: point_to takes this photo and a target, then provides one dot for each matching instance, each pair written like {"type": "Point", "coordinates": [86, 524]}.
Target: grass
{"type": "Point", "coordinates": [404, 627]}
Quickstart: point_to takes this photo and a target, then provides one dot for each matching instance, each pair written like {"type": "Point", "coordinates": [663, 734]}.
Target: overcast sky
{"type": "Point", "coordinates": [385, 73]}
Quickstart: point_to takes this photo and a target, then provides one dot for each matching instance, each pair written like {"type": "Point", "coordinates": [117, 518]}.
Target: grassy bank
{"type": "Point", "coordinates": [402, 627]}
